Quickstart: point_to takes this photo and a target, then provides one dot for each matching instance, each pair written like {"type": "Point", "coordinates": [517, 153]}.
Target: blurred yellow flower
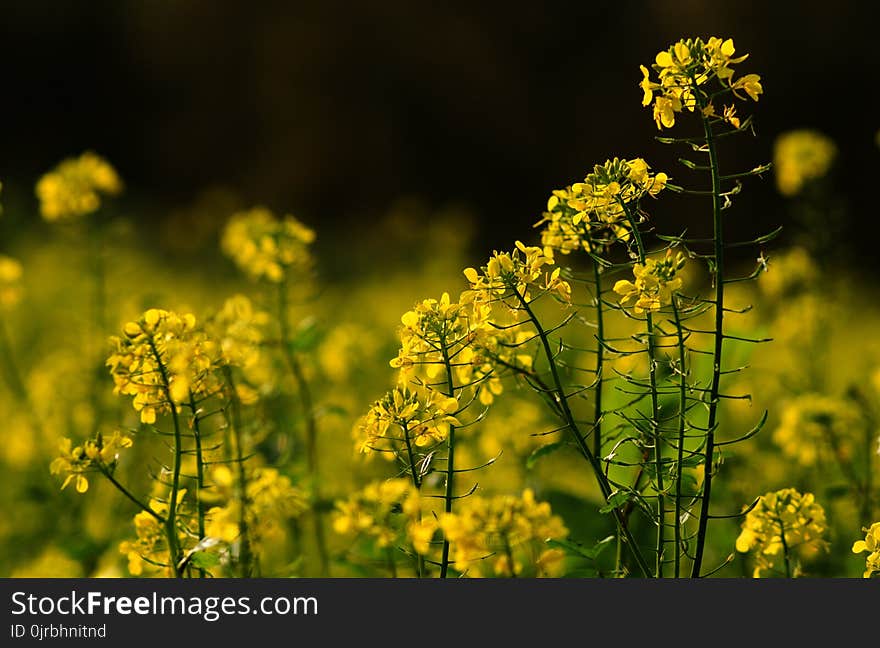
{"type": "Point", "coordinates": [10, 282]}
{"type": "Point", "coordinates": [784, 526]}
{"type": "Point", "coordinates": [871, 544]}
{"type": "Point", "coordinates": [800, 156]}
{"type": "Point", "coordinates": [74, 188]}
{"type": "Point", "coordinates": [267, 247]}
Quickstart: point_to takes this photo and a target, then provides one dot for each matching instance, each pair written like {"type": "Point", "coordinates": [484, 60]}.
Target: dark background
{"type": "Point", "coordinates": [333, 110]}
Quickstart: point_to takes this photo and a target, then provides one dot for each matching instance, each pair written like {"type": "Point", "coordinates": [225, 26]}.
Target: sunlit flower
{"type": "Point", "coordinates": [162, 360]}
{"type": "Point", "coordinates": [871, 544]}
{"type": "Point", "coordinates": [497, 536]}
{"type": "Point", "coordinates": [97, 455]}
{"type": "Point", "coordinates": [655, 281]}
{"type": "Point", "coordinates": [590, 215]}
{"type": "Point", "coordinates": [784, 526]}
{"type": "Point", "coordinates": [683, 74]}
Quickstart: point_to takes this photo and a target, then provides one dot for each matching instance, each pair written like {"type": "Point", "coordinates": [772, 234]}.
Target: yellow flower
{"type": "Point", "coordinates": [655, 281]}
{"type": "Point", "coordinates": [784, 526]}
{"type": "Point", "coordinates": [589, 215]}
{"type": "Point", "coordinates": [685, 69]}
{"type": "Point", "coordinates": [507, 526]}
{"type": "Point", "coordinates": [75, 187]}
{"type": "Point", "coordinates": [97, 455]}
{"type": "Point", "coordinates": [871, 544]}
{"type": "Point", "coordinates": [404, 418]}
{"type": "Point", "coordinates": [387, 513]}
{"type": "Point", "coordinates": [161, 360]}
{"type": "Point", "coordinates": [10, 282]}
{"type": "Point", "coordinates": [817, 429]}
{"type": "Point", "coordinates": [511, 277]}
{"type": "Point", "coordinates": [799, 157]}
{"type": "Point", "coordinates": [267, 247]}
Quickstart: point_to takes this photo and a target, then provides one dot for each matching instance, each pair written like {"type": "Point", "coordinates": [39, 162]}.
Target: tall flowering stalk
{"type": "Point", "coordinates": [512, 283]}
{"type": "Point", "coordinates": [440, 350]}
{"type": "Point", "coordinates": [698, 76]}
{"type": "Point", "coordinates": [77, 190]}
{"type": "Point", "coordinates": [276, 251]}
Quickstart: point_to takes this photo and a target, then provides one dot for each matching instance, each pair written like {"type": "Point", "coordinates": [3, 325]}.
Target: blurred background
{"type": "Point", "coordinates": [415, 138]}
{"type": "Point", "coordinates": [335, 110]}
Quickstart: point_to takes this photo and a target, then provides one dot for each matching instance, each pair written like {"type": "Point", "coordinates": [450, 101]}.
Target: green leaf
{"type": "Point", "coordinates": [204, 559]}
{"type": "Point", "coordinates": [616, 500]}
{"type": "Point", "coordinates": [543, 451]}
{"type": "Point", "coordinates": [575, 549]}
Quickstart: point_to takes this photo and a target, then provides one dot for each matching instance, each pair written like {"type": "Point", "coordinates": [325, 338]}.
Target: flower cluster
{"type": "Point", "coordinates": [505, 528]}
{"type": "Point", "coordinates": [590, 215]}
{"type": "Point", "coordinates": [801, 156]}
{"type": "Point", "coordinates": [784, 525]}
{"type": "Point", "coordinates": [441, 335]}
{"type": "Point", "coordinates": [387, 512]}
{"type": "Point", "coordinates": [163, 359]}
{"type": "Point", "coordinates": [239, 329]}
{"type": "Point", "coordinates": [684, 69]}
{"type": "Point", "coordinates": [871, 544]}
{"type": "Point", "coordinates": [10, 282]}
{"type": "Point", "coordinates": [149, 551]}
{"type": "Point", "coordinates": [99, 454]}
{"type": "Point", "coordinates": [512, 276]}
{"type": "Point", "coordinates": [267, 247]}
{"type": "Point", "coordinates": [406, 417]}
{"type": "Point", "coordinates": [75, 187]}
{"type": "Point", "coordinates": [814, 425]}
{"type": "Point", "coordinates": [271, 500]}
{"type": "Point", "coordinates": [655, 281]}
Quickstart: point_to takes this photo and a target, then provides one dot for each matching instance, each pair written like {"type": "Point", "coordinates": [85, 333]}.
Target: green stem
{"type": "Point", "coordinates": [171, 519]}
{"type": "Point", "coordinates": [122, 489]}
{"type": "Point", "coordinates": [718, 237]}
{"type": "Point", "coordinates": [308, 411]}
{"type": "Point", "coordinates": [600, 359]}
{"type": "Point", "coordinates": [785, 550]}
{"type": "Point", "coordinates": [449, 493]}
{"type": "Point", "coordinates": [572, 425]}
{"type": "Point", "coordinates": [508, 553]}
{"type": "Point", "coordinates": [655, 404]}
{"type": "Point", "coordinates": [682, 409]}
{"type": "Point", "coordinates": [200, 472]}
{"type": "Point", "coordinates": [241, 486]}
{"type": "Point", "coordinates": [392, 564]}
{"type": "Point", "coordinates": [414, 473]}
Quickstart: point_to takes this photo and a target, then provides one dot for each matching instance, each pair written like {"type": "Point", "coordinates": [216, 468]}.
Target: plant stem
{"type": "Point", "coordinates": [784, 543]}
{"type": "Point", "coordinates": [718, 237]}
{"type": "Point", "coordinates": [450, 457]}
{"type": "Point", "coordinates": [244, 557]}
{"type": "Point", "coordinates": [569, 419]}
{"type": "Point", "coordinates": [200, 472]}
{"type": "Point", "coordinates": [655, 405]}
{"type": "Point", "coordinates": [414, 473]}
{"type": "Point", "coordinates": [682, 409]}
{"type": "Point", "coordinates": [122, 489]}
{"type": "Point", "coordinates": [308, 412]}
{"type": "Point", "coordinates": [600, 360]}
{"type": "Point", "coordinates": [171, 519]}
